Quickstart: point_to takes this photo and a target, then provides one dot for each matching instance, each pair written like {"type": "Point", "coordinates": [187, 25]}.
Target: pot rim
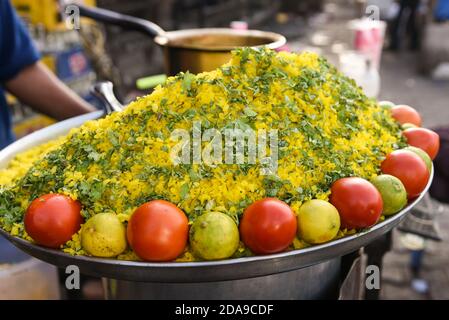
{"type": "Point", "coordinates": [166, 39]}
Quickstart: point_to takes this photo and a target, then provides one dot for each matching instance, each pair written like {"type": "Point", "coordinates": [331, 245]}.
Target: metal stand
{"type": "Point", "coordinates": [375, 252]}
{"type": "Point", "coordinates": [320, 281]}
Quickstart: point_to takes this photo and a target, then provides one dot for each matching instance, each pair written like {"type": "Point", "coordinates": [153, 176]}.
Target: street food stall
{"type": "Point", "coordinates": [107, 193]}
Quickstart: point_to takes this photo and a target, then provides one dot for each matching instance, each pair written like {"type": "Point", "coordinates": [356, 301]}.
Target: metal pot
{"type": "Point", "coordinates": [309, 273]}
{"type": "Point", "coordinates": [195, 50]}
{"type": "Point", "coordinates": [320, 281]}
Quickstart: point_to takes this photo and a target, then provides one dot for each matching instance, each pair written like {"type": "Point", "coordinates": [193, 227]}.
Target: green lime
{"type": "Point", "coordinates": [386, 104]}
{"type": "Point", "coordinates": [408, 125]}
{"type": "Point", "coordinates": [103, 235]}
{"type": "Point", "coordinates": [318, 221]}
{"type": "Point", "coordinates": [393, 193]}
{"type": "Point", "coordinates": [214, 236]}
{"type": "Point", "coordinates": [422, 154]}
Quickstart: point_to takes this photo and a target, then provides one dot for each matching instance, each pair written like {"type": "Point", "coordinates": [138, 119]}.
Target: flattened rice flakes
{"type": "Point", "coordinates": [328, 129]}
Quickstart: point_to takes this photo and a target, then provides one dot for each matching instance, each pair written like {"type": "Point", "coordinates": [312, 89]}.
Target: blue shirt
{"type": "Point", "coordinates": [16, 52]}
{"type": "Point", "coordinates": [442, 10]}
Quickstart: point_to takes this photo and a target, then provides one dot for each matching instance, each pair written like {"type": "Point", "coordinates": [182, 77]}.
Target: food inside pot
{"type": "Point", "coordinates": [312, 126]}
{"type": "Point", "coordinates": [219, 41]}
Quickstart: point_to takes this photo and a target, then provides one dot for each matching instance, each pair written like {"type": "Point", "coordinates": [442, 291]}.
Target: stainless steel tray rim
{"type": "Point", "coordinates": [175, 264]}
{"type": "Point", "coordinates": [237, 268]}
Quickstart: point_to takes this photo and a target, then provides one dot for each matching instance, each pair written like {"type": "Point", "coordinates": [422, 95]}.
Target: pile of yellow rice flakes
{"type": "Point", "coordinates": [328, 129]}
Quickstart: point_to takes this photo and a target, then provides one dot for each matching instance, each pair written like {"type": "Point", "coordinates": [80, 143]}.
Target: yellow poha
{"type": "Point", "coordinates": [328, 129]}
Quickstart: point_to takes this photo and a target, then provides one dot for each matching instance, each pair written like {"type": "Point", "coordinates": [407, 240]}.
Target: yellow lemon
{"type": "Point", "coordinates": [104, 236]}
{"type": "Point", "coordinates": [423, 155]}
{"type": "Point", "coordinates": [318, 221]}
{"type": "Point", "coordinates": [408, 125]}
{"type": "Point", "coordinates": [214, 236]}
{"type": "Point", "coordinates": [394, 195]}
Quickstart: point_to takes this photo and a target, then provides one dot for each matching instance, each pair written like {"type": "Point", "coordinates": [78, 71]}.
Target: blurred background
{"type": "Point", "coordinates": [396, 50]}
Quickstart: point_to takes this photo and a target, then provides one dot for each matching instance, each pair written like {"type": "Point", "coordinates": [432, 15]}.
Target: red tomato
{"type": "Point", "coordinates": [268, 226]}
{"type": "Point", "coordinates": [408, 167]}
{"type": "Point", "coordinates": [405, 114]}
{"type": "Point", "coordinates": [358, 202]}
{"type": "Point", "coordinates": [424, 139]}
{"type": "Point", "coordinates": [158, 231]}
{"type": "Point", "coordinates": [52, 220]}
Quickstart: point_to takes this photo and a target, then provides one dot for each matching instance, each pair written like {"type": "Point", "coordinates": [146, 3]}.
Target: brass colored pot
{"type": "Point", "coordinates": [194, 50]}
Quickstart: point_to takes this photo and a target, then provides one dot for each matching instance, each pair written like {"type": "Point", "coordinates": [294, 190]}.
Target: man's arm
{"type": "Point", "coordinates": [39, 88]}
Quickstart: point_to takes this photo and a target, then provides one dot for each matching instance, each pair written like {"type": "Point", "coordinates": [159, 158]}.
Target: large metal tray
{"type": "Point", "coordinates": [186, 272]}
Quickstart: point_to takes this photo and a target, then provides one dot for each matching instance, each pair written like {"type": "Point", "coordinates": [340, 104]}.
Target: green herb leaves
{"type": "Point", "coordinates": [187, 83]}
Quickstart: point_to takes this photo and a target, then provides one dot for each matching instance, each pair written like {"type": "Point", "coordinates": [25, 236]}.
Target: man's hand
{"type": "Point", "coordinates": [39, 88]}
